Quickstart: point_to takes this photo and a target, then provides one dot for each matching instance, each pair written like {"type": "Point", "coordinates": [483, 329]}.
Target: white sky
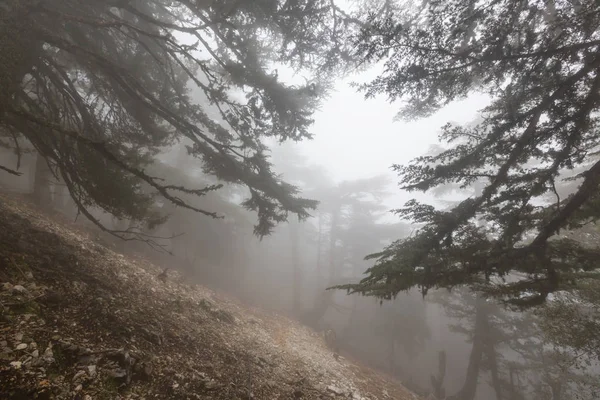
{"type": "Point", "coordinates": [358, 138]}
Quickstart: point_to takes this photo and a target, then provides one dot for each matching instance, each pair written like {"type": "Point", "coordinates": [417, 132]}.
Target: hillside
{"type": "Point", "coordinates": [79, 321]}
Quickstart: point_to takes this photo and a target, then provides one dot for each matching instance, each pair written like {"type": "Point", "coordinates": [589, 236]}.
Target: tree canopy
{"type": "Point", "coordinates": [539, 63]}
{"type": "Point", "coordinates": [100, 87]}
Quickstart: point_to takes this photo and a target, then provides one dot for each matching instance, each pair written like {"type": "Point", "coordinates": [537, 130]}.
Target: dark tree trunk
{"type": "Point", "coordinates": [41, 184]}
{"type": "Point", "coordinates": [557, 391]}
{"type": "Point", "coordinates": [332, 245]}
{"type": "Point", "coordinates": [469, 388]}
{"type": "Point", "coordinates": [317, 312]}
{"type": "Point", "coordinates": [325, 297]}
{"type": "Point", "coordinates": [17, 47]}
{"type": "Point", "coordinates": [319, 243]}
{"type": "Point", "coordinates": [353, 318]}
{"type": "Point", "coordinates": [392, 355]}
{"type": "Point", "coordinates": [490, 353]}
{"type": "Point", "coordinates": [60, 196]}
{"type": "Point", "coordinates": [296, 273]}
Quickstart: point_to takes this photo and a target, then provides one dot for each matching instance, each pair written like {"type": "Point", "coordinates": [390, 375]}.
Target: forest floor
{"type": "Point", "coordinates": [80, 321]}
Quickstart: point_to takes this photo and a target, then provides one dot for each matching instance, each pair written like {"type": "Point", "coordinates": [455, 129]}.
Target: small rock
{"type": "Point", "coordinates": [78, 375]}
{"type": "Point", "coordinates": [29, 275]}
{"type": "Point", "coordinates": [6, 286]}
{"type": "Point", "coordinates": [144, 369]}
{"type": "Point", "coordinates": [92, 370]}
{"type": "Point", "coordinates": [18, 289]}
{"type": "Point", "coordinates": [21, 346]}
{"type": "Point", "coordinates": [35, 353]}
{"type": "Point", "coordinates": [48, 355]}
{"type": "Point", "coordinates": [3, 343]}
{"type": "Point", "coordinates": [334, 389]}
{"type": "Point", "coordinates": [211, 385]}
{"type": "Point", "coordinates": [37, 362]}
{"type": "Point", "coordinates": [87, 359]}
{"type": "Point", "coordinates": [118, 373]}
{"type": "Point", "coordinates": [19, 337]}
{"type": "Point", "coordinates": [78, 387]}
{"type": "Point", "coordinates": [52, 297]}
{"type": "Point", "coordinates": [16, 364]}
{"type": "Point", "coordinates": [48, 352]}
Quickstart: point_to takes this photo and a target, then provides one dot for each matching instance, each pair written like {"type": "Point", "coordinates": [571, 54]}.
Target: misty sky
{"type": "Point", "coordinates": [358, 138]}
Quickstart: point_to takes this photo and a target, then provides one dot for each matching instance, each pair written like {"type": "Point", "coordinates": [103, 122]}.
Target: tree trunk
{"type": "Point", "coordinates": [352, 319]}
{"type": "Point", "coordinates": [469, 388]}
{"type": "Point", "coordinates": [41, 184]}
{"type": "Point", "coordinates": [296, 273]}
{"type": "Point", "coordinates": [392, 355]}
{"type": "Point", "coordinates": [557, 391]}
{"type": "Point", "coordinates": [490, 352]}
{"type": "Point", "coordinates": [319, 242]}
{"type": "Point", "coordinates": [18, 47]}
{"type": "Point", "coordinates": [317, 312]}
{"type": "Point", "coordinates": [60, 196]}
{"type": "Point", "coordinates": [335, 216]}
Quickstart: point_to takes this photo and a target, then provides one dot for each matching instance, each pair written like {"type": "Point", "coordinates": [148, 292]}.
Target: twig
{"type": "Point", "coordinates": [10, 171]}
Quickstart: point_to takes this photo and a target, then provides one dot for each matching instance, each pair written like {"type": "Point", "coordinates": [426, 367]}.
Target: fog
{"type": "Point", "coordinates": [454, 344]}
{"type": "Point", "coordinates": [345, 168]}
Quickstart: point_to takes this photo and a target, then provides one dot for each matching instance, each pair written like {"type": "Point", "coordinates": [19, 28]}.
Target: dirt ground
{"type": "Point", "coordinates": [80, 321]}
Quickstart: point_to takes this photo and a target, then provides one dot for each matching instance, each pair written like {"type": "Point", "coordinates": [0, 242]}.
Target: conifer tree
{"type": "Point", "coordinates": [99, 87]}
{"type": "Point", "coordinates": [539, 62]}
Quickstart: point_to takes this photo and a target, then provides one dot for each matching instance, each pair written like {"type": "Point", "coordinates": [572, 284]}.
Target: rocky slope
{"type": "Point", "coordinates": [79, 321]}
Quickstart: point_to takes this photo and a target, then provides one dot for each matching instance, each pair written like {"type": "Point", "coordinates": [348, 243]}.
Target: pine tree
{"type": "Point", "coordinates": [336, 201]}
{"type": "Point", "coordinates": [99, 87]}
{"type": "Point", "coordinates": [540, 65]}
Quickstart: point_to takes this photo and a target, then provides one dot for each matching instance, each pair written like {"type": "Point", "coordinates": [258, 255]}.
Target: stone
{"type": "Point", "coordinates": [335, 390]}
{"type": "Point", "coordinates": [18, 289]}
{"type": "Point", "coordinates": [48, 356]}
{"type": "Point", "coordinates": [78, 375]}
{"type": "Point", "coordinates": [21, 346]}
{"type": "Point", "coordinates": [211, 385]}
